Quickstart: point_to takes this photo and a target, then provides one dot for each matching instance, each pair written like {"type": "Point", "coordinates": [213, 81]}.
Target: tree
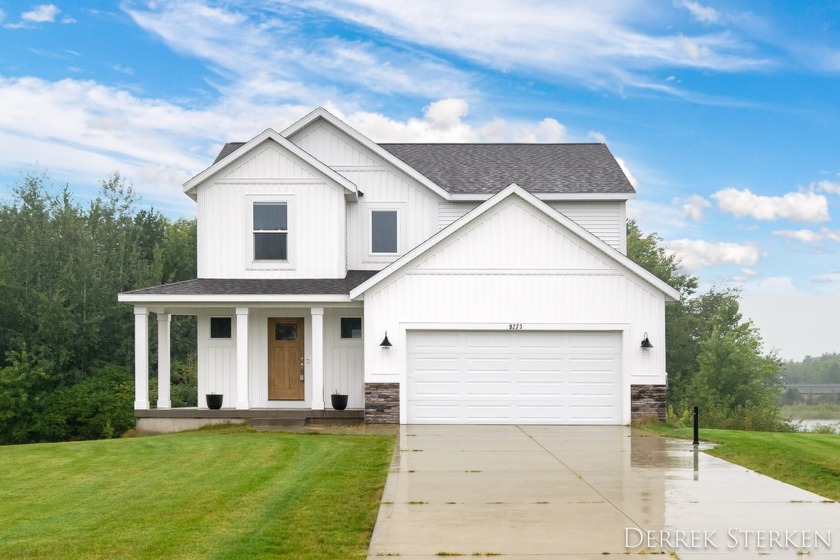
{"type": "Point", "coordinates": [714, 358]}
{"type": "Point", "coordinates": [66, 344]}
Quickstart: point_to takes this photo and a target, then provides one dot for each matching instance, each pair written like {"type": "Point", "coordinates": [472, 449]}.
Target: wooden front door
{"type": "Point", "coordinates": [285, 359]}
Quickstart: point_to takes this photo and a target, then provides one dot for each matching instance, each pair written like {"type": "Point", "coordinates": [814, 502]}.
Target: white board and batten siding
{"type": "Point", "coordinates": [343, 358]}
{"type": "Point", "coordinates": [316, 213]}
{"type": "Point", "coordinates": [514, 376]}
{"type": "Point", "coordinates": [516, 266]}
{"type": "Point", "coordinates": [606, 219]}
{"type": "Point", "coordinates": [384, 188]}
{"type": "Point", "coordinates": [216, 359]}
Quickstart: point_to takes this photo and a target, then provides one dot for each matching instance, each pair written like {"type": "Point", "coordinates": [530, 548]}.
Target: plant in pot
{"type": "Point", "coordinates": [339, 401]}
{"type": "Point", "coordinates": [214, 401]}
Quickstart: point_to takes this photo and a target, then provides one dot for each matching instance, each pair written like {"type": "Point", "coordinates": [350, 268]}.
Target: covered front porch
{"type": "Point", "coordinates": [271, 356]}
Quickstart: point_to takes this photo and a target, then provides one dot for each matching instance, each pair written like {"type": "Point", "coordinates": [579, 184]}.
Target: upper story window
{"type": "Point", "coordinates": [271, 231]}
{"type": "Point", "coordinates": [383, 232]}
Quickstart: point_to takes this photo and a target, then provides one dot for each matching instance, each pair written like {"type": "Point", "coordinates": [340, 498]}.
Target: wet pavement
{"type": "Point", "coordinates": [587, 492]}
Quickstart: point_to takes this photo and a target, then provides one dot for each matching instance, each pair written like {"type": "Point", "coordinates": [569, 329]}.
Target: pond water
{"type": "Point", "coordinates": [807, 425]}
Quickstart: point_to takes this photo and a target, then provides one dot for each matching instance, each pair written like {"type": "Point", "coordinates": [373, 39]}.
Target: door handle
{"type": "Point", "coordinates": [301, 368]}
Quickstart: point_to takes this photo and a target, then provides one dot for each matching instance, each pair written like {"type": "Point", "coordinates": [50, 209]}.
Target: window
{"type": "Point", "coordinates": [351, 327]}
{"type": "Point", "coordinates": [383, 231]}
{"type": "Point", "coordinates": [220, 327]}
{"type": "Point", "coordinates": [271, 231]}
{"type": "Point", "coordinates": [285, 331]}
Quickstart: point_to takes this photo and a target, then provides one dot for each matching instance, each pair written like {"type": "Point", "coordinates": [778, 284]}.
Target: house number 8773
{"type": "Point", "coordinates": [515, 326]}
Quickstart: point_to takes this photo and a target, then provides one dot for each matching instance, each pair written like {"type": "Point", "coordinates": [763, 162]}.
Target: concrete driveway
{"type": "Point", "coordinates": [586, 492]}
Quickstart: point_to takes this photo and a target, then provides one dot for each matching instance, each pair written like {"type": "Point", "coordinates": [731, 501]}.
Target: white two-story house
{"type": "Point", "coordinates": [432, 283]}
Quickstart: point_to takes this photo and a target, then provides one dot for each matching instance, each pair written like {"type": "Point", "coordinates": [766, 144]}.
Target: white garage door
{"type": "Point", "coordinates": [514, 377]}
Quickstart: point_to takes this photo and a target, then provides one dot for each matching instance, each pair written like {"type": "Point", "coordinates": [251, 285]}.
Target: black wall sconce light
{"type": "Point", "coordinates": [385, 342]}
{"type": "Point", "coordinates": [646, 345]}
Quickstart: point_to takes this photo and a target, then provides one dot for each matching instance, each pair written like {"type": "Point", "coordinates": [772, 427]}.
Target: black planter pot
{"type": "Point", "coordinates": [339, 402]}
{"type": "Point", "coordinates": [214, 402]}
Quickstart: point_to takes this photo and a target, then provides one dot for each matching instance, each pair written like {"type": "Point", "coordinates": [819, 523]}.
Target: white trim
{"type": "Point", "coordinates": [623, 328]}
{"type": "Point", "coordinates": [252, 200]}
{"type": "Point", "coordinates": [548, 196]}
{"type": "Point", "coordinates": [141, 358]}
{"type": "Point", "coordinates": [322, 113]}
{"type": "Point", "coordinates": [269, 134]}
{"type": "Point", "coordinates": [317, 365]}
{"type": "Point", "coordinates": [515, 190]}
{"type": "Point", "coordinates": [242, 369]}
{"type": "Point", "coordinates": [164, 400]}
{"type": "Point", "coordinates": [371, 210]}
{"type": "Point", "coordinates": [164, 299]}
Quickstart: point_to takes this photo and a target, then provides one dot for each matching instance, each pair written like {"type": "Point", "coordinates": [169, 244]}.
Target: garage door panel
{"type": "Point", "coordinates": [501, 377]}
{"type": "Point", "coordinates": [483, 388]}
{"type": "Point", "coordinates": [539, 389]}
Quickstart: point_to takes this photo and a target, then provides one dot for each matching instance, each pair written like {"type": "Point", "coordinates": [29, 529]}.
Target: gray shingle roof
{"type": "Point", "coordinates": [260, 286]}
{"type": "Point", "coordinates": [228, 149]}
{"type": "Point", "coordinates": [537, 168]}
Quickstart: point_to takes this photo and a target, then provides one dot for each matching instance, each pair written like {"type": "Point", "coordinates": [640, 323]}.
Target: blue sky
{"type": "Point", "coordinates": [725, 114]}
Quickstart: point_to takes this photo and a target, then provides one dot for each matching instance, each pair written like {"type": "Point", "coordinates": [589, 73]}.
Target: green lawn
{"type": "Point", "coordinates": [809, 461]}
{"type": "Point", "coordinates": [223, 493]}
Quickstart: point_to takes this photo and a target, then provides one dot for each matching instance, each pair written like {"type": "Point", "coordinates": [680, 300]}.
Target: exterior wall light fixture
{"type": "Point", "coordinates": [385, 344]}
{"type": "Point", "coordinates": [646, 345]}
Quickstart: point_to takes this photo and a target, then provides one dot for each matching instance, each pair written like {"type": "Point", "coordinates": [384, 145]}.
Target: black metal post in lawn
{"type": "Point", "coordinates": [696, 426]}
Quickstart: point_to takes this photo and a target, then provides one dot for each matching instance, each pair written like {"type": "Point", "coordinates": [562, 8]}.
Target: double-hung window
{"type": "Point", "coordinates": [271, 231]}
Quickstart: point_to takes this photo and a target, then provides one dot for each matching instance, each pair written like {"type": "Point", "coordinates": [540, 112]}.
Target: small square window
{"type": "Point", "coordinates": [285, 331]}
{"type": "Point", "coordinates": [383, 232]}
{"type": "Point", "coordinates": [220, 327]}
{"type": "Point", "coordinates": [351, 327]}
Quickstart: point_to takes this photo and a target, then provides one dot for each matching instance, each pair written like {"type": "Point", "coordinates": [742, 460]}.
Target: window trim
{"type": "Point", "coordinates": [291, 229]}
{"type": "Point", "coordinates": [255, 231]}
{"type": "Point", "coordinates": [371, 252]}
{"type": "Point", "coordinates": [361, 331]}
{"type": "Point", "coordinates": [210, 327]}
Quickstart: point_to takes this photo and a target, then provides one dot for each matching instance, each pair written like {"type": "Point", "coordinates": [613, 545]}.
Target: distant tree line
{"type": "Point", "coordinates": [66, 345]}
{"type": "Point", "coordinates": [714, 358]}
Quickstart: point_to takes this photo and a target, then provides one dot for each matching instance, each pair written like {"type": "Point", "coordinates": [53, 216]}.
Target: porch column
{"type": "Point", "coordinates": [164, 371]}
{"type": "Point", "coordinates": [317, 358]}
{"type": "Point", "coordinates": [242, 402]}
{"type": "Point", "coordinates": [141, 358]}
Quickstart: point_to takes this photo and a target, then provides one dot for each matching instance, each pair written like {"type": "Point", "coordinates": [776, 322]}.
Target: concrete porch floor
{"type": "Point", "coordinates": [584, 492]}
{"type": "Point", "coordinates": [161, 421]}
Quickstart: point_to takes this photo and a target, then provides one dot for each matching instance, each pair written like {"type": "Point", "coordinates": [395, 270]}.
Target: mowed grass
{"type": "Point", "coordinates": [222, 493]}
{"type": "Point", "coordinates": [809, 461]}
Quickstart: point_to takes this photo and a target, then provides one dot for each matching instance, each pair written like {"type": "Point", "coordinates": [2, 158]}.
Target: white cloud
{"type": "Point", "coordinates": [596, 136]}
{"type": "Point", "coordinates": [827, 186]}
{"type": "Point", "coordinates": [703, 14]}
{"type": "Point", "coordinates": [44, 13]}
{"type": "Point", "coordinates": [83, 131]}
{"type": "Point", "coordinates": [832, 278]}
{"type": "Point", "coordinates": [809, 235]}
{"type": "Point", "coordinates": [695, 254]}
{"type": "Point", "coordinates": [693, 206]}
{"type": "Point", "coordinates": [749, 272]}
{"type": "Point", "coordinates": [68, 20]}
{"type": "Point", "coordinates": [626, 169]}
{"type": "Point", "coordinates": [797, 206]}
{"type": "Point", "coordinates": [598, 42]}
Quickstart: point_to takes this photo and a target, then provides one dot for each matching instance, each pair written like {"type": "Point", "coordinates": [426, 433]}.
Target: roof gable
{"type": "Point", "coordinates": [603, 250]}
{"type": "Point", "coordinates": [241, 151]}
{"type": "Point", "coordinates": [321, 113]}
